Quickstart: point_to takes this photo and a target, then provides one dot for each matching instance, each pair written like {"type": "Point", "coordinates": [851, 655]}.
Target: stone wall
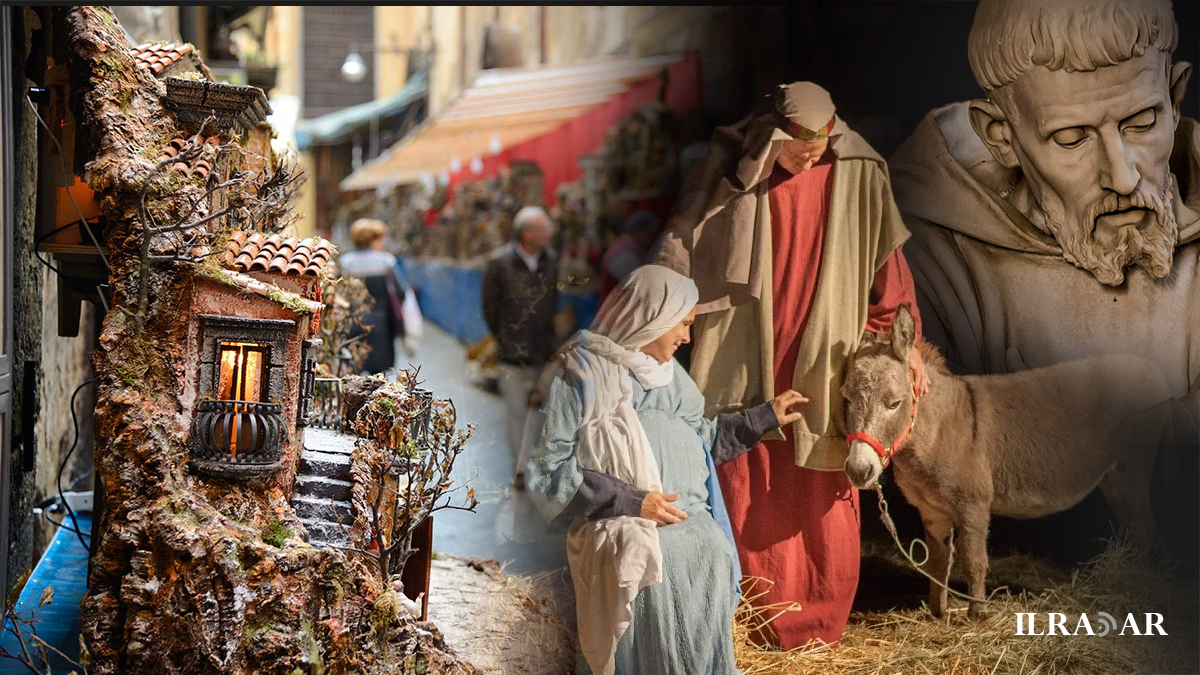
{"type": "Point", "coordinates": [65, 365]}
{"type": "Point", "coordinates": [27, 304]}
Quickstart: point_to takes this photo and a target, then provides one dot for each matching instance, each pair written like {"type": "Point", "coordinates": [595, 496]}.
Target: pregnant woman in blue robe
{"type": "Point", "coordinates": [625, 449]}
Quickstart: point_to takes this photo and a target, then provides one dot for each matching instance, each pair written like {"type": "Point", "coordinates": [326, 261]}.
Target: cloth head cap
{"type": "Point", "coordinates": [649, 302]}
{"type": "Point", "coordinates": [804, 110]}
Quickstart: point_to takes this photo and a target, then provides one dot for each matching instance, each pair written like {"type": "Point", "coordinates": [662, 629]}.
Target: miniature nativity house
{"type": "Point", "coordinates": [202, 559]}
{"type": "Point", "coordinates": [250, 350]}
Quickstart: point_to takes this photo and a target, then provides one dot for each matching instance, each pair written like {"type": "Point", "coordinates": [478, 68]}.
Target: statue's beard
{"type": "Point", "coordinates": [1152, 247]}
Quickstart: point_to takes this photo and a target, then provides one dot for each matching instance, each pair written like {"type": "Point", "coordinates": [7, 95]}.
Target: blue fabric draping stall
{"type": "Point", "coordinates": [586, 305]}
{"type": "Point", "coordinates": [451, 296]}
{"type": "Point", "coordinates": [64, 567]}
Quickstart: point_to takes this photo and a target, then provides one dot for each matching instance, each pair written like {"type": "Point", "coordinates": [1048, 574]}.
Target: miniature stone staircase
{"type": "Point", "coordinates": [321, 496]}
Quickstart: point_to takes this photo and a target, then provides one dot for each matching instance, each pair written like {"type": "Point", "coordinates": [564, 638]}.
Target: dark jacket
{"type": "Point", "coordinates": [519, 306]}
{"type": "Point", "coordinates": [379, 271]}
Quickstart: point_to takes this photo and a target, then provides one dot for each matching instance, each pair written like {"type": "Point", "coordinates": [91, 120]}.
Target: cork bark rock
{"type": "Point", "coordinates": [192, 575]}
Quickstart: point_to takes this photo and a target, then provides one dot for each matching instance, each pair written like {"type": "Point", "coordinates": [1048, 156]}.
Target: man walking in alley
{"type": "Point", "coordinates": [520, 298]}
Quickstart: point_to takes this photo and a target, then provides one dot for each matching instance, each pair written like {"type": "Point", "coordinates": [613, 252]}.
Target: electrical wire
{"type": "Point", "coordinates": [63, 465]}
{"type": "Point", "coordinates": [63, 524]}
{"type": "Point", "coordinates": [82, 477]}
{"type": "Point", "coordinates": [73, 281]}
{"type": "Point", "coordinates": [74, 527]}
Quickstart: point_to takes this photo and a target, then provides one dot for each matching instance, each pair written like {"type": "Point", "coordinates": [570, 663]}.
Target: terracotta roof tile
{"type": "Point", "coordinates": [197, 165]}
{"type": "Point", "coordinates": [256, 252]}
{"type": "Point", "coordinates": [158, 57]}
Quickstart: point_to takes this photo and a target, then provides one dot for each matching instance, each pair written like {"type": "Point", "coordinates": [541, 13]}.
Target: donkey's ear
{"type": "Point", "coordinates": [904, 333]}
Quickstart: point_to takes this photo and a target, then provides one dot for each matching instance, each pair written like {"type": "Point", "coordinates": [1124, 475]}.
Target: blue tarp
{"type": "Point", "coordinates": [63, 567]}
{"type": "Point", "coordinates": [451, 296]}
{"type": "Point", "coordinates": [335, 126]}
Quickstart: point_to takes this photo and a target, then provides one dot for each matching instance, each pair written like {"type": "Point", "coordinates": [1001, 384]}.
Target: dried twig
{"type": "Point", "coordinates": [257, 203]}
{"type": "Point", "coordinates": [409, 442]}
{"type": "Point", "coordinates": [35, 652]}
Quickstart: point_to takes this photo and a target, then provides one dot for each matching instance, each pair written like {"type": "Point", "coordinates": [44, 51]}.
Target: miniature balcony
{"type": "Point", "coordinates": [237, 439]}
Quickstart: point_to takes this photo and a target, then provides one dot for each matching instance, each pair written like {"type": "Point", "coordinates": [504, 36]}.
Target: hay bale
{"type": "Point", "coordinates": [912, 641]}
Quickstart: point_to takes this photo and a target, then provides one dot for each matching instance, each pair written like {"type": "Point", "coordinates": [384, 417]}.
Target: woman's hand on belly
{"type": "Point", "coordinates": [658, 507]}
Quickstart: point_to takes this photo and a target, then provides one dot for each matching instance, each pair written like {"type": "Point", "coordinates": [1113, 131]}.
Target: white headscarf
{"type": "Point", "coordinates": [612, 559]}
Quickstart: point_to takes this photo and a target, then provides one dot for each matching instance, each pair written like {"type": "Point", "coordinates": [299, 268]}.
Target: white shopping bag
{"type": "Point", "coordinates": [411, 313]}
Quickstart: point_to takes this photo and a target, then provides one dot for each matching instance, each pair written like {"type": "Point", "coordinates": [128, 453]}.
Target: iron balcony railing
{"type": "Point", "coordinates": [238, 433]}
{"type": "Point", "coordinates": [326, 411]}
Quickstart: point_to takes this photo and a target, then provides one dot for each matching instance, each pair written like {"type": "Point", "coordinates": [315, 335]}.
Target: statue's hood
{"type": "Point", "coordinates": [944, 174]}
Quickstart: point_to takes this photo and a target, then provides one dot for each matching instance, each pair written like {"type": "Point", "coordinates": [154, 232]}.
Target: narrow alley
{"type": "Point", "coordinates": [505, 527]}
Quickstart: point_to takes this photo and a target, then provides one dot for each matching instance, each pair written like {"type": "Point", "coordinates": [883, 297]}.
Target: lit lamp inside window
{"type": "Point", "coordinates": [237, 426]}
{"type": "Point", "coordinates": [243, 371]}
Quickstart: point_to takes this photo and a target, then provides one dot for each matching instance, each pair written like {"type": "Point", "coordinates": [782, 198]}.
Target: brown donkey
{"type": "Point", "coordinates": [1022, 445]}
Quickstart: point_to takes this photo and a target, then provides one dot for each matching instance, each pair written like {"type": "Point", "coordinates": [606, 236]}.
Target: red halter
{"type": "Point", "coordinates": [885, 452]}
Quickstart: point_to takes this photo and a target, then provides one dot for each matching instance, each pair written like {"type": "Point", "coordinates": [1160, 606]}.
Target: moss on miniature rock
{"type": "Point", "coordinates": [210, 268]}
{"type": "Point", "coordinates": [288, 299]}
{"type": "Point", "coordinates": [256, 625]}
{"type": "Point", "coordinates": [276, 533]}
{"type": "Point", "coordinates": [386, 405]}
{"type": "Point", "coordinates": [383, 614]}
{"type": "Point", "coordinates": [308, 642]}
{"type": "Point", "coordinates": [131, 376]}
{"type": "Point", "coordinates": [148, 372]}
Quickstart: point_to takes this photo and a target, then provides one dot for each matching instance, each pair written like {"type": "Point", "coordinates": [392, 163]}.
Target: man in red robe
{"type": "Point", "coordinates": [791, 233]}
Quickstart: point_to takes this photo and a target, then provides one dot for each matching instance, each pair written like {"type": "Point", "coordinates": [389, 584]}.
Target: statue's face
{"type": "Point", "coordinates": [799, 156]}
{"type": "Point", "coordinates": [1094, 150]}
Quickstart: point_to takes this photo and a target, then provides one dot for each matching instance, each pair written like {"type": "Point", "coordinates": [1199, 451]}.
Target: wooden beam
{"type": "Point", "coordinates": [509, 118]}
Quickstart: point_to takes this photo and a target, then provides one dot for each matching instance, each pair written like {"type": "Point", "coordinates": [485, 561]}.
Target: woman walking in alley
{"type": "Point", "coordinates": [378, 269]}
{"type": "Point", "coordinates": [624, 448]}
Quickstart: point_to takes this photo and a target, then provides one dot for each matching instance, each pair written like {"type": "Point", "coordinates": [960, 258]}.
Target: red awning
{"type": "Point", "coordinates": [548, 115]}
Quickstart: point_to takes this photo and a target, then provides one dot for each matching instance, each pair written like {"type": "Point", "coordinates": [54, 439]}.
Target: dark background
{"type": "Point", "coordinates": [886, 64]}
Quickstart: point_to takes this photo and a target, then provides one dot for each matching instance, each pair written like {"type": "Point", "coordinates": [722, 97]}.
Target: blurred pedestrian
{"type": "Point", "coordinates": [630, 251]}
{"type": "Point", "coordinates": [378, 269]}
{"type": "Point", "coordinates": [520, 299]}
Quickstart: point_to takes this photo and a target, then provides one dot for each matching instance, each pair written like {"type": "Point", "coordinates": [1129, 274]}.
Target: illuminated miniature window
{"type": "Point", "coordinates": [243, 371]}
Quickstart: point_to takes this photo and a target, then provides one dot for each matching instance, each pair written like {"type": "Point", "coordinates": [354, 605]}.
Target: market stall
{"type": "Point", "coordinates": [592, 141]}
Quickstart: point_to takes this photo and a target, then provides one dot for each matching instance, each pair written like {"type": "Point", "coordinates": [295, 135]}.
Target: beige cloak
{"type": "Point", "coordinates": [720, 236]}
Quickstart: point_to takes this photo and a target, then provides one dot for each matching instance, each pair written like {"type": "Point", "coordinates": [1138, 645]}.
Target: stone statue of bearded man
{"type": "Point", "coordinates": [1058, 218]}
